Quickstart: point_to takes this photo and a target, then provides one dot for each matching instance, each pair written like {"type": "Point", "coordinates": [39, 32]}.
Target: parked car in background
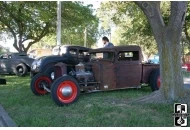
{"type": "Point", "coordinates": [15, 63]}
{"type": "Point", "coordinates": [155, 60]}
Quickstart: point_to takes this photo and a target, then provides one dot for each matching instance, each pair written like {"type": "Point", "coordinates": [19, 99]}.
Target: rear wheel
{"type": "Point", "coordinates": [155, 80]}
{"type": "Point", "coordinates": [65, 90]}
{"type": "Point", "coordinates": [38, 83]}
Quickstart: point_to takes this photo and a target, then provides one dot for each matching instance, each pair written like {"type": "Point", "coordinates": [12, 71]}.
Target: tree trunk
{"type": "Point", "coordinates": [170, 66]}
{"type": "Point", "coordinates": [20, 46]}
{"type": "Point", "coordinates": [168, 41]}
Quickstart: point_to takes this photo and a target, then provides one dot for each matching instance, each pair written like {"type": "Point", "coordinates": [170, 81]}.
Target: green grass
{"type": "Point", "coordinates": [94, 109]}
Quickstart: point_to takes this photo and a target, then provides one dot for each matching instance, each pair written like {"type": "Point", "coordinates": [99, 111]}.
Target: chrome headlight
{"type": "Point", "coordinates": [34, 67]}
{"type": "Point", "coordinates": [38, 63]}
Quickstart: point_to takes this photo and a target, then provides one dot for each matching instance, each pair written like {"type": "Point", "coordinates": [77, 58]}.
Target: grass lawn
{"type": "Point", "coordinates": [95, 109]}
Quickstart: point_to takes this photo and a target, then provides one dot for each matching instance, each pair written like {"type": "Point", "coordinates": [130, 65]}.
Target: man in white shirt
{"type": "Point", "coordinates": [106, 42]}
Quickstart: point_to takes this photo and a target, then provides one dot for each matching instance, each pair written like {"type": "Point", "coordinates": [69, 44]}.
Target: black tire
{"type": "Point", "coordinates": [48, 71]}
{"type": "Point", "coordinates": [36, 84]}
{"type": "Point", "coordinates": [57, 90]}
{"type": "Point", "coordinates": [21, 69]}
{"type": "Point", "coordinates": [153, 79]}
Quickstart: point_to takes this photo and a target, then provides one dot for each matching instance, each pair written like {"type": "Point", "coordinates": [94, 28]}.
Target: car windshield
{"type": "Point", "coordinates": [102, 56]}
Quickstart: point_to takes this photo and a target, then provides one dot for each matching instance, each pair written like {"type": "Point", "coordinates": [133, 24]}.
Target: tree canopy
{"type": "Point", "coordinates": [132, 26]}
{"type": "Point", "coordinates": [29, 22]}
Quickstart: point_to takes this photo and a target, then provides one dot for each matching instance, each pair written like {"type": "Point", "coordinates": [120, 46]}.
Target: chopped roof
{"type": "Point", "coordinates": [118, 48]}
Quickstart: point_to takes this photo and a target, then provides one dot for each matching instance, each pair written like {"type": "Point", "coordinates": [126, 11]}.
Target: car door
{"type": "Point", "coordinates": [128, 69]}
{"type": "Point", "coordinates": [106, 70]}
{"type": "Point", "coordinates": [4, 64]}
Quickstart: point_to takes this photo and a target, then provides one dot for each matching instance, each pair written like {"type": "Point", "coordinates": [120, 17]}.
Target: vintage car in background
{"type": "Point", "coordinates": [155, 60]}
{"type": "Point", "coordinates": [15, 63]}
{"type": "Point", "coordinates": [119, 67]}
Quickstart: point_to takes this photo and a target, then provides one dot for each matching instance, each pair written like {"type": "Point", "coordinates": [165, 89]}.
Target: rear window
{"type": "Point", "coordinates": [102, 56]}
{"type": "Point", "coordinates": [128, 56]}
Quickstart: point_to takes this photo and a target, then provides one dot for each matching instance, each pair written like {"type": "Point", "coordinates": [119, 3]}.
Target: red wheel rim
{"type": "Point", "coordinates": [158, 82]}
{"type": "Point", "coordinates": [37, 84]}
{"type": "Point", "coordinates": [73, 93]}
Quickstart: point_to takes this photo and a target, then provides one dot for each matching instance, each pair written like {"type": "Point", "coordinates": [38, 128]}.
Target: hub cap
{"type": "Point", "coordinates": [67, 91]}
{"type": "Point", "coordinates": [20, 70]}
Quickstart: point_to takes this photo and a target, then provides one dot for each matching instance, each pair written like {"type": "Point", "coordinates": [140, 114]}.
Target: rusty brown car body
{"type": "Point", "coordinates": [113, 68]}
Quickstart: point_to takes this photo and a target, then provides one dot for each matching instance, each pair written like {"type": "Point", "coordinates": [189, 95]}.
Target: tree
{"type": "Point", "coordinates": [165, 21]}
{"type": "Point", "coordinates": [168, 38]}
{"type": "Point", "coordinates": [82, 16]}
{"type": "Point", "coordinates": [131, 25]}
{"type": "Point", "coordinates": [27, 21]}
{"type": "Point", "coordinates": [187, 25]}
{"type": "Point", "coordinates": [32, 21]}
{"type": "Point", "coordinates": [75, 17]}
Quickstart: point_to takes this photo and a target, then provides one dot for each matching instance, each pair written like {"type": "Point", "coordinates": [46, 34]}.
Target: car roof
{"type": "Point", "coordinates": [75, 47]}
{"type": "Point", "coordinates": [16, 54]}
{"type": "Point", "coordinates": [118, 48]}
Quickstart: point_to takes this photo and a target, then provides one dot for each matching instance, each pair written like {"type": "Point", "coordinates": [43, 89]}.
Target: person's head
{"type": "Point", "coordinates": [105, 40]}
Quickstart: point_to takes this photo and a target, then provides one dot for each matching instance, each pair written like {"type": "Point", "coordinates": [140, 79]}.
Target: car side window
{"type": "Point", "coordinates": [83, 53]}
{"type": "Point", "coordinates": [4, 57]}
{"type": "Point", "coordinates": [102, 56]}
{"type": "Point", "coordinates": [128, 56]}
{"type": "Point", "coordinates": [73, 51]}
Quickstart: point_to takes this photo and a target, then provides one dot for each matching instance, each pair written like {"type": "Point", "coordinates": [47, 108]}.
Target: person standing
{"type": "Point", "coordinates": [106, 42]}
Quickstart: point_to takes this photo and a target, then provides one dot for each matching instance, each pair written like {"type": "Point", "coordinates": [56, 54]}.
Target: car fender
{"type": "Point", "coordinates": [49, 61]}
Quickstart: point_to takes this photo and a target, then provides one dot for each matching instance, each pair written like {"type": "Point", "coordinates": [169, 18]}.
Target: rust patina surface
{"type": "Point", "coordinates": [112, 68]}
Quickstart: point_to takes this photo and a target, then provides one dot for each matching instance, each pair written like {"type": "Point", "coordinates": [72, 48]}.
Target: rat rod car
{"type": "Point", "coordinates": [43, 68]}
{"type": "Point", "coordinates": [113, 68]}
{"type": "Point", "coordinates": [15, 63]}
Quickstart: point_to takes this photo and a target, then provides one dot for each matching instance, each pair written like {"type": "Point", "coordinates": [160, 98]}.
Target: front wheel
{"type": "Point", "coordinates": [65, 90]}
{"type": "Point", "coordinates": [21, 69]}
{"type": "Point", "coordinates": [155, 80]}
{"type": "Point", "coordinates": [39, 82]}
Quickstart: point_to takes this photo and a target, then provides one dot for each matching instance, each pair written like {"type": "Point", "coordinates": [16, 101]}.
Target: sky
{"type": "Point", "coordinates": [96, 5]}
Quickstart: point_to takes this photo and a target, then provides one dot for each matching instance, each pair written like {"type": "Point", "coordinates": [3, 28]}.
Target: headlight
{"type": "Point", "coordinates": [34, 67]}
{"type": "Point", "coordinates": [38, 63]}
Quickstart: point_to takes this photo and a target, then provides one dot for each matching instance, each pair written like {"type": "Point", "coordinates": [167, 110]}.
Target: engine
{"type": "Point", "coordinates": [82, 74]}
